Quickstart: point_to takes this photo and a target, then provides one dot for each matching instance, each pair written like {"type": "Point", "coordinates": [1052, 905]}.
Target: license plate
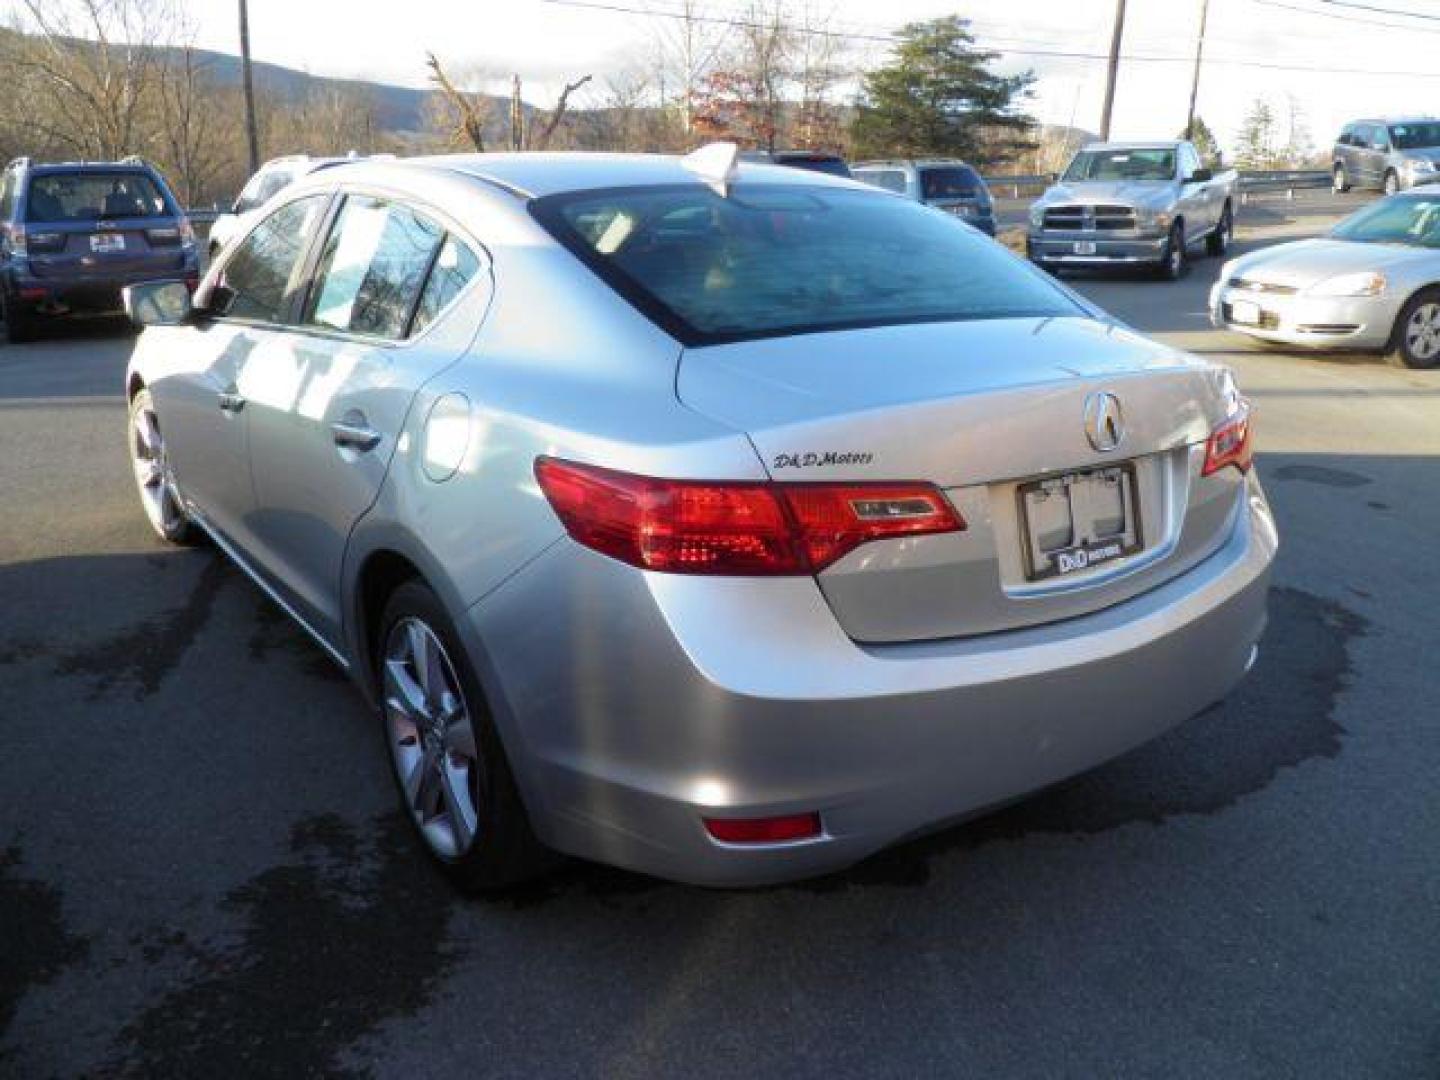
{"type": "Point", "coordinates": [1084, 247]}
{"type": "Point", "coordinates": [1078, 521]}
{"type": "Point", "coordinates": [106, 242]}
{"type": "Point", "coordinates": [1245, 312]}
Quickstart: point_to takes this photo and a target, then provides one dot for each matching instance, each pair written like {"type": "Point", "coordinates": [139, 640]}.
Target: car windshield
{"type": "Point", "coordinates": [1415, 136]}
{"type": "Point", "coordinates": [951, 182]}
{"type": "Point", "coordinates": [1405, 220]}
{"type": "Point", "coordinates": [88, 196]}
{"type": "Point", "coordinates": [774, 260]}
{"type": "Point", "coordinates": [1142, 164]}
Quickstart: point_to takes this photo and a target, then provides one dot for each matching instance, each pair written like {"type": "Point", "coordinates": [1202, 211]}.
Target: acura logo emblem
{"type": "Point", "coordinates": [1104, 422]}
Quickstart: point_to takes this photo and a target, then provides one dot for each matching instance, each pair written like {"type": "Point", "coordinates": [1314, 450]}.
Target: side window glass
{"type": "Point", "coordinates": [7, 197]}
{"type": "Point", "coordinates": [454, 267]}
{"type": "Point", "coordinates": [372, 268]}
{"type": "Point", "coordinates": [256, 280]}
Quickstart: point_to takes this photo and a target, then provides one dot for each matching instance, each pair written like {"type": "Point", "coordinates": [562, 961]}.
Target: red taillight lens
{"type": "Point", "coordinates": [702, 527]}
{"type": "Point", "coordinates": [1230, 443]}
{"type": "Point", "coordinates": [770, 830]}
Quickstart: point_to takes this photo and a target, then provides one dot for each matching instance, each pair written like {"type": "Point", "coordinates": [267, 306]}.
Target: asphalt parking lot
{"type": "Point", "coordinates": [202, 872]}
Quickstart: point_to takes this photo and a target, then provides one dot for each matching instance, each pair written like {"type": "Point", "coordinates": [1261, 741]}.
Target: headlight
{"type": "Point", "coordinates": [1150, 217]}
{"type": "Point", "coordinates": [1369, 283]}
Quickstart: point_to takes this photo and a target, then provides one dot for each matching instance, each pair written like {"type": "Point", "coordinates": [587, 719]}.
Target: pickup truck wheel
{"type": "Point", "coordinates": [1339, 184]}
{"type": "Point", "coordinates": [1416, 340]}
{"type": "Point", "coordinates": [1392, 182]}
{"type": "Point", "coordinates": [1218, 242]}
{"type": "Point", "coordinates": [1172, 260]}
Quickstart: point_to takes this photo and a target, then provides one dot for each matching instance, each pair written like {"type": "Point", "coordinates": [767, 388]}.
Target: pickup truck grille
{"type": "Point", "coordinates": [1101, 218]}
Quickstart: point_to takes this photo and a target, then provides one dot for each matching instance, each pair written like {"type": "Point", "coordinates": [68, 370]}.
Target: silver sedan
{"type": "Point", "coordinates": [718, 521]}
{"type": "Point", "coordinates": [1372, 284]}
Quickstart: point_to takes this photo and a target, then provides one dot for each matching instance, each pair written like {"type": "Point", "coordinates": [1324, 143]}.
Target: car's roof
{"type": "Point", "coordinates": [915, 163]}
{"type": "Point", "coordinates": [90, 166]}
{"type": "Point", "coordinates": [538, 174]}
{"type": "Point", "coordinates": [1135, 144]}
{"type": "Point", "coordinates": [1392, 120]}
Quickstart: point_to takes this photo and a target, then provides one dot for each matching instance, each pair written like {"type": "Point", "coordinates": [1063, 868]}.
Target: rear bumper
{"type": "Point", "coordinates": [1060, 249]}
{"type": "Point", "coordinates": [94, 292]}
{"type": "Point", "coordinates": [1317, 322]}
{"type": "Point", "coordinates": [633, 705]}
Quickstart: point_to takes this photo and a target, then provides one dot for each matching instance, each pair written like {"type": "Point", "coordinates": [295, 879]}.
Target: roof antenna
{"type": "Point", "coordinates": [714, 163]}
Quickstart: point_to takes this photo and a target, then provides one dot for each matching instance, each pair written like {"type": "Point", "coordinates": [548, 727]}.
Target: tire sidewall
{"type": "Point", "coordinates": [1390, 185]}
{"type": "Point", "coordinates": [183, 531]}
{"type": "Point", "coordinates": [1338, 183]}
{"type": "Point", "coordinates": [1172, 269]}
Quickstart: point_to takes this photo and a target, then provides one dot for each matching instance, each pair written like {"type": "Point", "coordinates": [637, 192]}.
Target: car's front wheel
{"type": "Point", "coordinates": [454, 778]}
{"type": "Point", "coordinates": [1339, 183]}
{"type": "Point", "coordinates": [1416, 342]}
{"type": "Point", "coordinates": [1172, 260]}
{"type": "Point", "coordinates": [1391, 183]}
{"type": "Point", "coordinates": [154, 478]}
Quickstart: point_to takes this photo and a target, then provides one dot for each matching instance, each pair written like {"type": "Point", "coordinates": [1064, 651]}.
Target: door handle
{"type": "Point", "coordinates": [230, 401]}
{"type": "Point", "coordinates": [355, 435]}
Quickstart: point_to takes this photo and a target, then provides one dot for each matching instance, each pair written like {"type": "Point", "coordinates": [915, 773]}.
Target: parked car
{"type": "Point", "coordinates": [274, 177]}
{"type": "Point", "coordinates": [1373, 283]}
{"type": "Point", "coordinates": [1387, 155]}
{"type": "Point", "coordinates": [714, 522]}
{"type": "Point", "coordinates": [1133, 204]}
{"type": "Point", "coordinates": [945, 184]}
{"type": "Point", "coordinates": [72, 234]}
{"type": "Point", "coordinates": [812, 160]}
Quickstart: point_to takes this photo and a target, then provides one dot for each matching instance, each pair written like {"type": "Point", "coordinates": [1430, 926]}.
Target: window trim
{"type": "Point", "coordinates": [547, 211]}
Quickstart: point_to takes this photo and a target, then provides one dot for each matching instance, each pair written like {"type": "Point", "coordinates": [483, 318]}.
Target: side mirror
{"type": "Point", "coordinates": [1201, 176]}
{"type": "Point", "coordinates": [158, 303]}
{"type": "Point", "coordinates": [1053, 177]}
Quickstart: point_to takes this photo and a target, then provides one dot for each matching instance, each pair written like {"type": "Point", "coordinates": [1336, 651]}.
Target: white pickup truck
{"type": "Point", "coordinates": [1140, 203]}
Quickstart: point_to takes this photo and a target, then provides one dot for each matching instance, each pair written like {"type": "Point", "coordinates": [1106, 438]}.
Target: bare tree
{"type": "Point", "coordinates": [469, 111]}
{"type": "Point", "coordinates": [542, 141]}
{"type": "Point", "coordinates": [820, 66]}
{"type": "Point", "coordinates": [688, 46]}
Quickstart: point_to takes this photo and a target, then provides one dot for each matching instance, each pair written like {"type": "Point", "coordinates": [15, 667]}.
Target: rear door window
{"type": "Point", "coordinates": [454, 268]}
{"type": "Point", "coordinates": [372, 268]}
{"type": "Point", "coordinates": [56, 198]}
{"type": "Point", "coordinates": [258, 279]}
{"type": "Point", "coordinates": [889, 179]}
{"type": "Point", "coordinates": [950, 182]}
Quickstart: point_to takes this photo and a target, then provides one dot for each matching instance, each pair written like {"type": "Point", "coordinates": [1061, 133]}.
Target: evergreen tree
{"type": "Point", "coordinates": [1205, 142]}
{"type": "Point", "coordinates": [1256, 145]}
{"type": "Point", "coordinates": [937, 96]}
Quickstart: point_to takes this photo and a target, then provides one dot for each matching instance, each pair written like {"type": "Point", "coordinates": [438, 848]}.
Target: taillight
{"type": "Point", "coordinates": [740, 528]}
{"type": "Point", "coordinates": [1230, 443]}
{"type": "Point", "coordinates": [25, 241]}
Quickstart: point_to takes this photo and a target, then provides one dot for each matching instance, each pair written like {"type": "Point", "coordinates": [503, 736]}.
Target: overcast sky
{"type": "Point", "coordinates": [386, 41]}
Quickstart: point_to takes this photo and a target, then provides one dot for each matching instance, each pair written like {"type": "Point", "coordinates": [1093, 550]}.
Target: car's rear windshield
{"type": "Point", "coordinates": [832, 166]}
{"type": "Point", "coordinates": [93, 195]}
{"type": "Point", "coordinates": [889, 179]}
{"type": "Point", "coordinates": [1405, 219]}
{"type": "Point", "coordinates": [1137, 164]}
{"type": "Point", "coordinates": [950, 182]}
{"type": "Point", "coordinates": [772, 260]}
{"type": "Point", "coordinates": [1415, 136]}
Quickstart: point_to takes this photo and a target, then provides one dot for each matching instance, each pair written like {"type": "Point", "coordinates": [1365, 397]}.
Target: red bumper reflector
{"type": "Point", "coordinates": [34, 294]}
{"type": "Point", "coordinates": [765, 830]}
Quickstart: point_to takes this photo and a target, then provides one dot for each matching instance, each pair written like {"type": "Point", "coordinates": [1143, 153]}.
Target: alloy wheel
{"type": "Point", "coordinates": [153, 477]}
{"type": "Point", "coordinates": [431, 737]}
{"type": "Point", "coordinates": [1392, 183]}
{"type": "Point", "coordinates": [1422, 333]}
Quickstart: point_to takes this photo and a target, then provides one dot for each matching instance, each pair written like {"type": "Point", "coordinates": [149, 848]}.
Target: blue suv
{"type": "Point", "coordinates": [72, 235]}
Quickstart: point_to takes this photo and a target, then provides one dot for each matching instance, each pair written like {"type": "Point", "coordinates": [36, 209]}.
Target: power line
{"type": "Point", "coordinates": [1357, 20]}
{"type": "Point", "coordinates": [1381, 10]}
{"type": "Point", "coordinates": [1061, 54]}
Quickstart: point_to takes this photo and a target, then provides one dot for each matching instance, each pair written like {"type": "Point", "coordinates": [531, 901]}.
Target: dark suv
{"type": "Point", "coordinates": [72, 235]}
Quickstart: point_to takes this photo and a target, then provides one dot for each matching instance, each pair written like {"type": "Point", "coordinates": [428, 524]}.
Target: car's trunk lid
{"type": "Point", "coordinates": [982, 410]}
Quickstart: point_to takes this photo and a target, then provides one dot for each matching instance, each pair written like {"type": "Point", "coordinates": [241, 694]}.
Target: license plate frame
{"type": "Point", "coordinates": [1084, 247]}
{"type": "Point", "coordinates": [107, 243]}
{"type": "Point", "coordinates": [1245, 313]}
{"type": "Point", "coordinates": [1088, 544]}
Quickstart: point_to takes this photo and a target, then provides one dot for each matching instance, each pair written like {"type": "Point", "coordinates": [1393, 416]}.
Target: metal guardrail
{"type": "Point", "coordinates": [1252, 181]}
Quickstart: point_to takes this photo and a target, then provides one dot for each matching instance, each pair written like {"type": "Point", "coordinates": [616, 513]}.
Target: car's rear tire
{"type": "Point", "coordinates": [1339, 183]}
{"type": "Point", "coordinates": [1218, 242]}
{"type": "Point", "coordinates": [1415, 342]}
{"type": "Point", "coordinates": [451, 771]}
{"type": "Point", "coordinates": [20, 323]}
{"type": "Point", "coordinates": [1173, 258]}
{"type": "Point", "coordinates": [1391, 184]}
{"type": "Point", "coordinates": [154, 479]}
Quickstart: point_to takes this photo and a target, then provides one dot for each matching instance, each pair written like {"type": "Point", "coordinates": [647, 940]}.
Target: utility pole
{"type": "Point", "coordinates": [251, 134]}
{"type": "Point", "coordinates": [1195, 82]}
{"type": "Point", "coordinates": [517, 115]}
{"type": "Point", "coordinates": [1113, 70]}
